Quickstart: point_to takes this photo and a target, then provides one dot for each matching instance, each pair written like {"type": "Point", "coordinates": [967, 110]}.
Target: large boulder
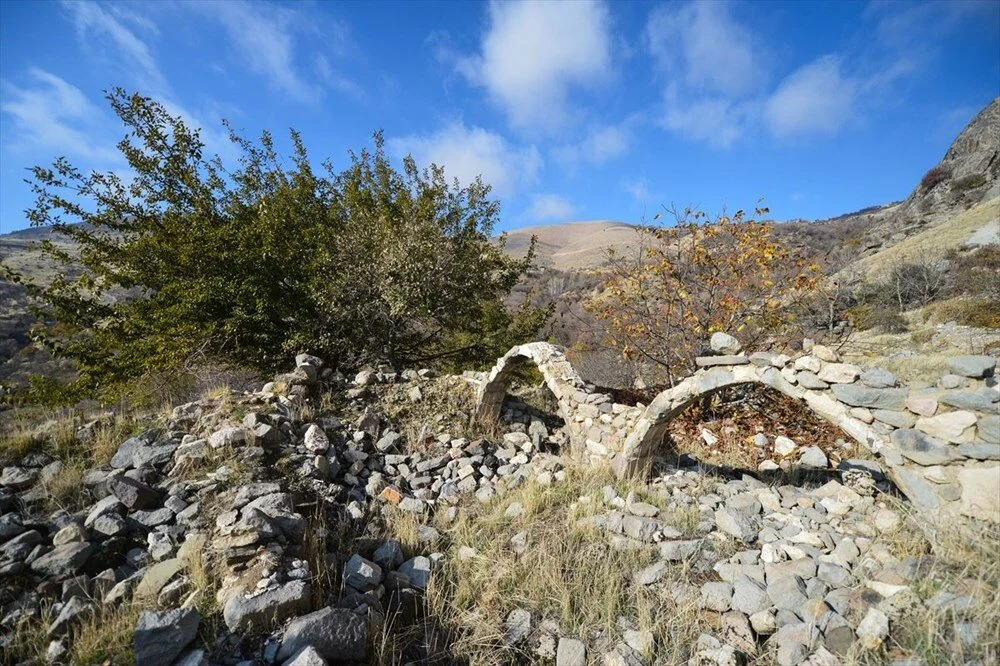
{"type": "Point", "coordinates": [972, 366]}
{"type": "Point", "coordinates": [160, 636]}
{"type": "Point", "coordinates": [337, 635]}
{"type": "Point", "coordinates": [63, 561]}
{"type": "Point", "coordinates": [261, 611]}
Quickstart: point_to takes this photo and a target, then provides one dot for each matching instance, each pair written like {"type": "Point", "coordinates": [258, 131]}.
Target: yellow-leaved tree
{"type": "Point", "coordinates": [661, 302]}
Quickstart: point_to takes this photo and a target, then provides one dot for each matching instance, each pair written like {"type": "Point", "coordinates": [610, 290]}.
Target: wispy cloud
{"type": "Point", "coordinates": [100, 33]}
{"type": "Point", "coordinates": [534, 54]}
{"type": "Point", "coordinates": [639, 189]}
{"type": "Point", "coordinates": [56, 116]}
{"type": "Point", "coordinates": [547, 207]}
{"type": "Point", "coordinates": [711, 66]}
{"type": "Point", "coordinates": [818, 97]}
{"type": "Point", "coordinates": [467, 152]}
{"type": "Point", "coordinates": [599, 144]}
{"type": "Point", "coordinates": [263, 37]}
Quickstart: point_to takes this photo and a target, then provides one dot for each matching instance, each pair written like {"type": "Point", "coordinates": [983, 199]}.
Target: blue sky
{"type": "Point", "coordinates": [572, 110]}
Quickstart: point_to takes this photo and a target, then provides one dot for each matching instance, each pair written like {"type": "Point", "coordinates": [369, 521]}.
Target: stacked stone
{"type": "Point", "coordinates": [941, 444]}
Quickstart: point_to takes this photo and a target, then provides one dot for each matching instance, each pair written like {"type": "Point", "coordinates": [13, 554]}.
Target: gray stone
{"type": "Point", "coordinates": [651, 574]}
{"type": "Point", "coordinates": [108, 525]}
{"type": "Point", "coordinates": [980, 498]}
{"type": "Point", "coordinates": [388, 555]}
{"type": "Point", "coordinates": [337, 634]}
{"type": "Point", "coordinates": [160, 636]}
{"type": "Point", "coordinates": [716, 596]}
{"type": "Point", "coordinates": [139, 452]}
{"type": "Point", "coordinates": [953, 427]}
{"type": "Point", "coordinates": [737, 523]}
{"type": "Point", "coordinates": [63, 561]}
{"type": "Point", "coordinates": [315, 439]}
{"type": "Point", "coordinates": [571, 652]}
{"type": "Point", "coordinates": [894, 418]}
{"type": "Point", "coordinates": [227, 436]}
{"type": "Point", "coordinates": [307, 656]}
{"type": "Point", "coordinates": [839, 373]}
{"type": "Point", "coordinates": [878, 378]}
{"type": "Point", "coordinates": [980, 402]}
{"type": "Point", "coordinates": [972, 366]}
{"type": "Point", "coordinates": [723, 343]}
{"type": "Point", "coordinates": [922, 448]}
{"type": "Point", "coordinates": [787, 592]}
{"type": "Point", "coordinates": [678, 551]}
{"type": "Point", "coordinates": [262, 611]}
{"type": "Point", "coordinates": [988, 428]}
{"type": "Point", "coordinates": [73, 611]}
{"type": "Point", "coordinates": [813, 456]}
{"type": "Point", "coordinates": [979, 451]}
{"type": "Point", "coordinates": [749, 596]}
{"type": "Point", "coordinates": [17, 478]}
{"type": "Point", "coordinates": [712, 361]}
{"type": "Point", "coordinates": [858, 395]}
{"type": "Point", "coordinates": [417, 570]}
{"type": "Point", "coordinates": [873, 629]}
{"type": "Point", "coordinates": [517, 626]}
{"type": "Point", "coordinates": [916, 489]}
{"type": "Point", "coordinates": [134, 494]}
{"type": "Point", "coordinates": [809, 380]}
{"type": "Point", "coordinates": [952, 381]}
{"type": "Point", "coordinates": [361, 574]}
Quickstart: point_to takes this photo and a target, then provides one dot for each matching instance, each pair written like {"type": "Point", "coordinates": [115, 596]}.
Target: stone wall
{"type": "Point", "coordinates": [940, 445]}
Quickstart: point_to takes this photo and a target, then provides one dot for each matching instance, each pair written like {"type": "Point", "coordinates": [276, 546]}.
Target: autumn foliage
{"type": "Point", "coordinates": [696, 276]}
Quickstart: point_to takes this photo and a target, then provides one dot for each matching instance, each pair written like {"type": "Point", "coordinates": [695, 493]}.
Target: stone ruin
{"type": "Point", "coordinates": [940, 445]}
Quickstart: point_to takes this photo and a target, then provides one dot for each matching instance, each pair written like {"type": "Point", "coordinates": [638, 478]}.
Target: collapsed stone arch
{"type": "Point", "coordinates": [559, 375]}
{"type": "Point", "coordinates": [651, 427]}
{"type": "Point", "coordinates": [940, 445]}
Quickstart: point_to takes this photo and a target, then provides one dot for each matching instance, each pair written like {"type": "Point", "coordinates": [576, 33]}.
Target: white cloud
{"type": "Point", "coordinates": [601, 144]}
{"type": "Point", "coordinates": [263, 39]}
{"type": "Point", "coordinates": [816, 98]}
{"type": "Point", "coordinates": [639, 189]}
{"type": "Point", "coordinates": [550, 207]}
{"type": "Point", "coordinates": [98, 28]}
{"type": "Point", "coordinates": [337, 81]}
{"type": "Point", "coordinates": [533, 54]}
{"type": "Point", "coordinates": [701, 45]}
{"type": "Point", "coordinates": [466, 152]}
{"type": "Point", "coordinates": [716, 119]}
{"type": "Point", "coordinates": [712, 70]}
{"type": "Point", "coordinates": [55, 116]}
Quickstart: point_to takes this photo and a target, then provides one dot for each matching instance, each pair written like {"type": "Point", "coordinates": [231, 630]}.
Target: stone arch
{"type": "Point", "coordinates": [556, 370]}
{"type": "Point", "coordinates": [651, 426]}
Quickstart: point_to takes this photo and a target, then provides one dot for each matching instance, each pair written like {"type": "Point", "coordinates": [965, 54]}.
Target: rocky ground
{"type": "Point", "coordinates": [322, 520]}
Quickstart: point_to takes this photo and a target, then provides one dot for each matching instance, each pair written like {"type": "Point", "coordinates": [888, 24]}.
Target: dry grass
{"type": "Point", "coordinates": [962, 560]}
{"type": "Point", "coordinates": [933, 242]}
{"type": "Point", "coordinates": [568, 572]}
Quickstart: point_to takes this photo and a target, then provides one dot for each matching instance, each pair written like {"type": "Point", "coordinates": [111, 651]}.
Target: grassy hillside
{"type": "Point", "coordinates": [980, 224]}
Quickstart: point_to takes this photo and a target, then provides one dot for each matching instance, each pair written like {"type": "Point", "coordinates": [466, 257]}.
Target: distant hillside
{"type": "Point", "coordinates": [573, 245]}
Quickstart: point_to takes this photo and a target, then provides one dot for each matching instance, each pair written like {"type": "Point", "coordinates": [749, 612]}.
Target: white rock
{"type": "Point", "coordinates": [873, 629]}
{"type": "Point", "coordinates": [316, 440]}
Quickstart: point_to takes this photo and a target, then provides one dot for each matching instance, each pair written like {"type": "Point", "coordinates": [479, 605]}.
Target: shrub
{"type": "Point", "coordinates": [934, 177]}
{"type": "Point", "coordinates": [970, 182]}
{"type": "Point", "coordinates": [873, 316]}
{"type": "Point", "coordinates": [696, 277]}
{"type": "Point", "coordinates": [977, 312]}
{"type": "Point", "coordinates": [192, 261]}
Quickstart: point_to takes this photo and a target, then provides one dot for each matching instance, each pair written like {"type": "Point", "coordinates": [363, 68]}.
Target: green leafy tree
{"type": "Point", "coordinates": [187, 260]}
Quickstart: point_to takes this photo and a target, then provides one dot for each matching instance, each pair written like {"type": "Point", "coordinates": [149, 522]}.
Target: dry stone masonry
{"type": "Point", "coordinates": [940, 444]}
